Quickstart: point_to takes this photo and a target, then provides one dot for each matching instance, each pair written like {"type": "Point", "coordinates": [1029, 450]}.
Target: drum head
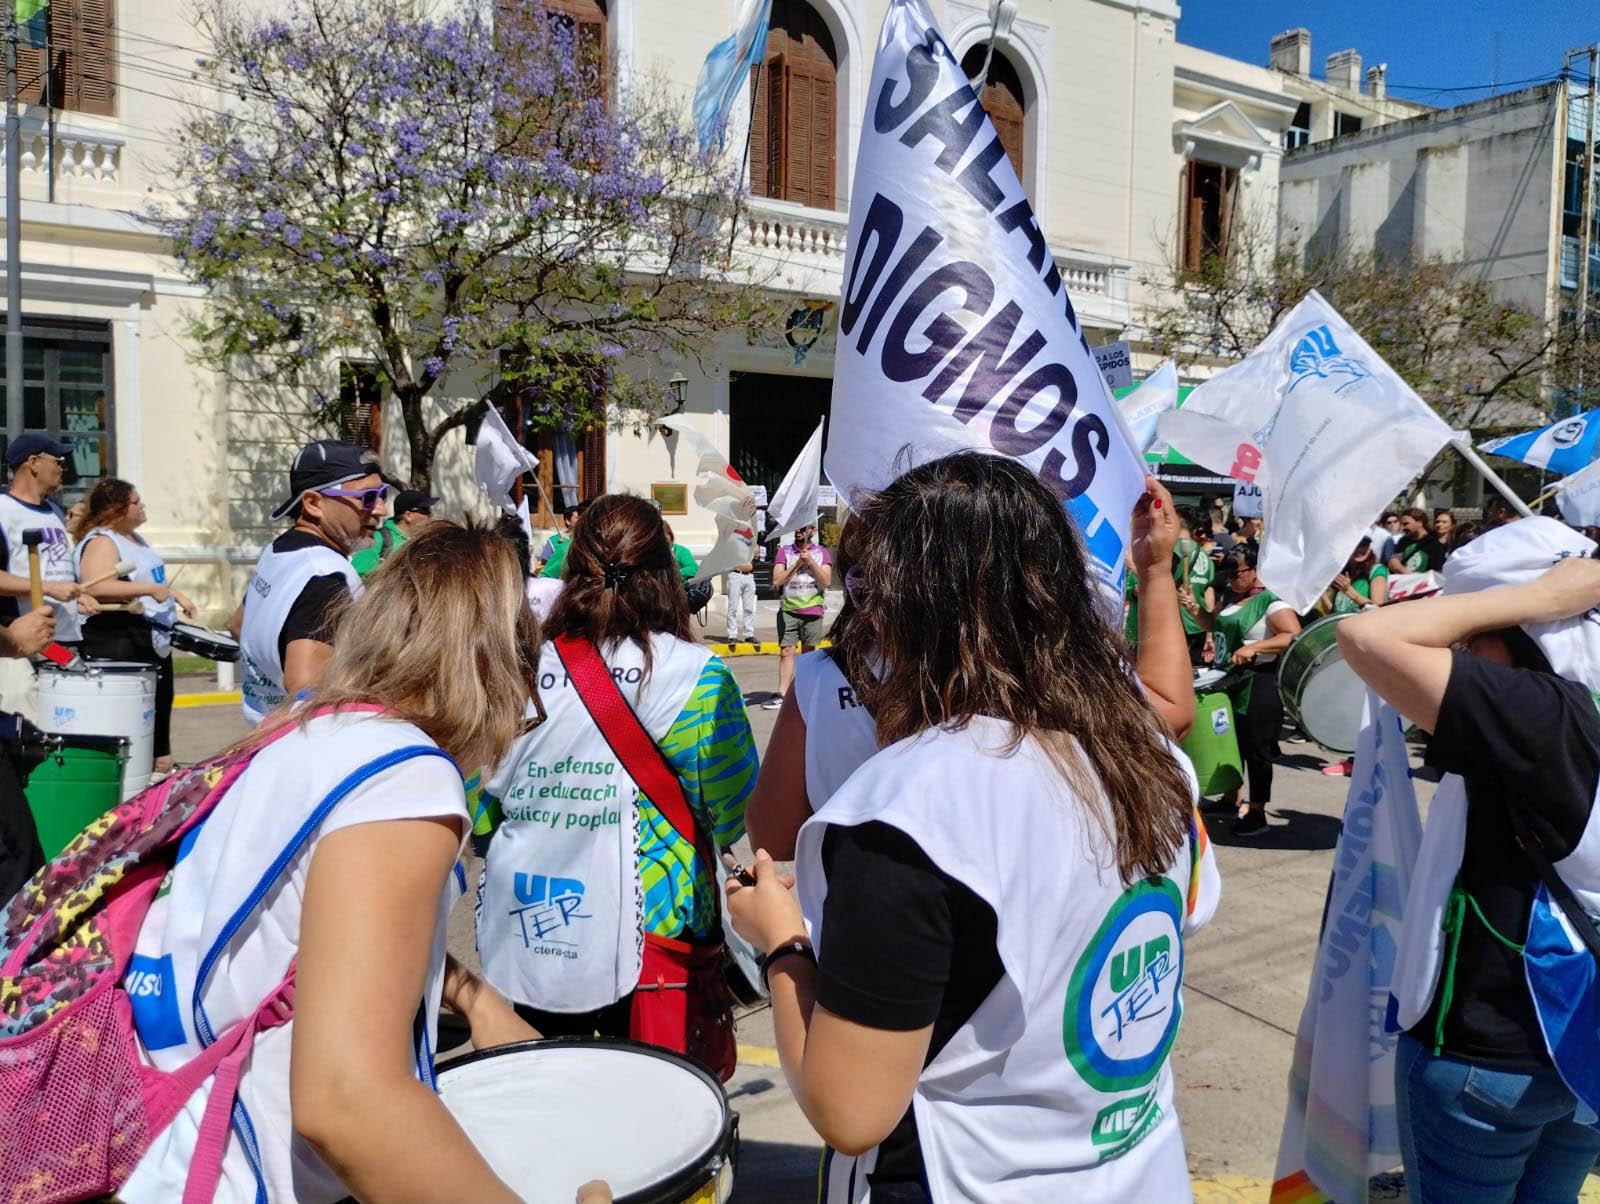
{"type": "Point", "coordinates": [1320, 691]}
{"type": "Point", "coordinates": [549, 1116]}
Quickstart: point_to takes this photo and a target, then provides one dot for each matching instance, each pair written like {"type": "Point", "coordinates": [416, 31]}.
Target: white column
{"type": "Point", "coordinates": [127, 406]}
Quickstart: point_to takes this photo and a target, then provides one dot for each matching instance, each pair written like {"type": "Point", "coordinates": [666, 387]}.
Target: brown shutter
{"type": "Point", "coordinates": [1230, 192]}
{"type": "Point", "coordinates": [1190, 219]}
{"type": "Point", "coordinates": [82, 63]}
{"type": "Point", "coordinates": [758, 130]}
{"type": "Point", "coordinates": [823, 90]}
{"type": "Point", "coordinates": [799, 133]}
{"type": "Point", "coordinates": [779, 130]}
{"type": "Point", "coordinates": [592, 462]}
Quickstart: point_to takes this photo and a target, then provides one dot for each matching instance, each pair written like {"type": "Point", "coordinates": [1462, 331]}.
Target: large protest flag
{"type": "Point", "coordinates": [955, 328]}
{"type": "Point", "coordinates": [720, 489]}
{"type": "Point", "coordinates": [1340, 1127]}
{"type": "Point", "coordinates": [1327, 430]}
{"type": "Point", "coordinates": [794, 502]}
{"type": "Point", "coordinates": [1567, 446]}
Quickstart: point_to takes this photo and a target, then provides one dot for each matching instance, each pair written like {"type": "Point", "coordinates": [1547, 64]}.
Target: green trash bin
{"type": "Point", "coordinates": [1213, 745]}
{"type": "Point", "coordinates": [78, 779]}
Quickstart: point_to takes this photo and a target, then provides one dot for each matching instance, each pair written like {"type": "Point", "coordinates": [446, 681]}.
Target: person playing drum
{"type": "Point", "coordinates": [1252, 628]}
{"type": "Point", "coordinates": [38, 464]}
{"type": "Point", "coordinates": [107, 534]}
{"type": "Point", "coordinates": [1364, 583]}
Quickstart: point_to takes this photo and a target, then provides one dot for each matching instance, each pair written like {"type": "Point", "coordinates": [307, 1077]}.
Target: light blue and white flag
{"type": "Point", "coordinates": [1156, 394]}
{"type": "Point", "coordinates": [1327, 430]}
{"type": "Point", "coordinates": [727, 67]}
{"type": "Point", "coordinates": [1579, 497]}
{"type": "Point", "coordinates": [1340, 1125]}
{"type": "Point", "coordinates": [1568, 446]}
{"type": "Point", "coordinates": [955, 329]}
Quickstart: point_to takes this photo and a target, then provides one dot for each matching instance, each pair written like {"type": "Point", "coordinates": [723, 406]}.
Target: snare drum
{"type": "Point", "coordinates": [1322, 693]}
{"type": "Point", "coordinates": [549, 1116]}
{"type": "Point", "coordinates": [105, 698]}
{"type": "Point", "coordinates": [202, 641]}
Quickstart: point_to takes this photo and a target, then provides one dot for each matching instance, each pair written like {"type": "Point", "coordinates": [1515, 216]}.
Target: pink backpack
{"type": "Point", "coordinates": [78, 1106]}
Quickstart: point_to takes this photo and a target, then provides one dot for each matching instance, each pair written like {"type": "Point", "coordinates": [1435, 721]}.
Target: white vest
{"type": "Point", "coordinates": [225, 926]}
{"type": "Point", "coordinates": [560, 902]}
{"type": "Point", "coordinates": [1059, 1087]}
{"type": "Point", "coordinates": [271, 594]}
{"type": "Point", "coordinates": [55, 557]}
{"type": "Point", "coordinates": [840, 734]}
{"type": "Point", "coordinates": [148, 569]}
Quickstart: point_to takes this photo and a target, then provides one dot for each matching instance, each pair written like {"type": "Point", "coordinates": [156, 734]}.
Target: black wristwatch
{"type": "Point", "coordinates": [797, 947]}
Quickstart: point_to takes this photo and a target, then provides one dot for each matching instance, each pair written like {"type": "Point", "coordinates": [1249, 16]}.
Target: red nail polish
{"type": "Point", "coordinates": [1157, 506]}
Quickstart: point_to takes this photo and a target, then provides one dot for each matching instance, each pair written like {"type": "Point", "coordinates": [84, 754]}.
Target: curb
{"type": "Point", "coordinates": [214, 698]}
{"type": "Point", "coordinates": [766, 648]}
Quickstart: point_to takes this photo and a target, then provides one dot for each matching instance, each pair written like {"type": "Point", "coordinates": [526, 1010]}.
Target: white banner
{"type": "Point", "coordinates": [1341, 1083]}
{"type": "Point", "coordinates": [1142, 409]}
{"type": "Point", "coordinates": [1115, 361]}
{"type": "Point", "coordinates": [1579, 497]}
{"type": "Point", "coordinates": [719, 489]}
{"type": "Point", "coordinates": [794, 503]}
{"type": "Point", "coordinates": [955, 328]}
{"type": "Point", "coordinates": [1355, 435]}
{"type": "Point", "coordinates": [1246, 500]}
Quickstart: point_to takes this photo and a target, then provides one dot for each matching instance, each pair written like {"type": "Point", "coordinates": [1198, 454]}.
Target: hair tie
{"type": "Point", "coordinates": [617, 574]}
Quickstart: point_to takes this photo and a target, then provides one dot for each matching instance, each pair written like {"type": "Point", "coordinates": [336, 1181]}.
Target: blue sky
{"type": "Point", "coordinates": [1429, 44]}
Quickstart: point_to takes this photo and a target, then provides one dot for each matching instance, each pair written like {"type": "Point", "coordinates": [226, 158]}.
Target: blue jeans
{"type": "Point", "coordinates": [1471, 1134]}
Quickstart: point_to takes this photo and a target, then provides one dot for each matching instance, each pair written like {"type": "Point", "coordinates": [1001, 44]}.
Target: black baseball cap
{"type": "Point", "coordinates": [323, 463]}
{"type": "Point", "coordinates": [412, 500]}
{"type": "Point", "coordinates": [24, 447]}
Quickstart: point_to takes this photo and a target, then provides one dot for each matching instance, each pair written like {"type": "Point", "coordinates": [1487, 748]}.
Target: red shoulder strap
{"type": "Point", "coordinates": [629, 741]}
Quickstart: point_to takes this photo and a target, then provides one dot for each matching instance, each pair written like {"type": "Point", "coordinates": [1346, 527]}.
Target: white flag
{"type": "Point", "coordinates": [1341, 1083]}
{"type": "Point", "coordinates": [1579, 497]}
{"type": "Point", "coordinates": [526, 519]}
{"type": "Point", "coordinates": [500, 459]}
{"type": "Point", "coordinates": [955, 328]}
{"type": "Point", "coordinates": [794, 503]}
{"type": "Point", "coordinates": [1156, 394]}
{"type": "Point", "coordinates": [721, 490]}
{"type": "Point", "coordinates": [1325, 427]}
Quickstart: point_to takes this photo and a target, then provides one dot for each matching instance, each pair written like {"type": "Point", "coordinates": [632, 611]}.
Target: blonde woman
{"type": "Point", "coordinates": [344, 833]}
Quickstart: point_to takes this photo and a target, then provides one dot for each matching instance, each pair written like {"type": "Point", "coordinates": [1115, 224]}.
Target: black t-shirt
{"type": "Point", "coordinates": [1525, 739]}
{"type": "Point", "coordinates": [1423, 555]}
{"type": "Point", "coordinates": [907, 946]}
{"type": "Point", "coordinates": [309, 616]}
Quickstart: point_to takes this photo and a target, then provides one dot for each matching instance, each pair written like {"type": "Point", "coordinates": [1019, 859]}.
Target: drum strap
{"type": "Point", "coordinates": [633, 746]}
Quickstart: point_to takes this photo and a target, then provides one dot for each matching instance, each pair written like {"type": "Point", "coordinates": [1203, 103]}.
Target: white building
{"type": "Point", "coordinates": [1134, 148]}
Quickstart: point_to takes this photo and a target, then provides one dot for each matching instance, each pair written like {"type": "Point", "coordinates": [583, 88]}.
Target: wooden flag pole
{"type": "Point", "coordinates": [1470, 455]}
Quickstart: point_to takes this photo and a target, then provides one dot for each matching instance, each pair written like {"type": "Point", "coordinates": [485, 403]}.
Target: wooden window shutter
{"type": "Point", "coordinates": [758, 131]}
{"type": "Point", "coordinates": [85, 67]}
{"type": "Point", "coordinates": [1230, 193]}
{"type": "Point", "coordinates": [779, 131]}
{"type": "Point", "coordinates": [1009, 129]}
{"type": "Point", "coordinates": [592, 462]}
{"type": "Point", "coordinates": [823, 90]}
{"type": "Point", "coordinates": [809, 157]}
{"type": "Point", "coordinates": [1192, 214]}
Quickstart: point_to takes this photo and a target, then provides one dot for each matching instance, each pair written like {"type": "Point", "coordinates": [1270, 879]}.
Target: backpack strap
{"type": "Point", "coordinates": [1560, 892]}
{"type": "Point", "coordinates": [639, 754]}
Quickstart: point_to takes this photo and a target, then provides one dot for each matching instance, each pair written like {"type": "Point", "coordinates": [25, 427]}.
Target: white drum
{"type": "Point", "coordinates": [550, 1116]}
{"type": "Point", "coordinates": [105, 698]}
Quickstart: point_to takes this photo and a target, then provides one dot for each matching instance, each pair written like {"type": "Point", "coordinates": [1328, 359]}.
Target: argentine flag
{"type": "Point", "coordinates": [723, 75]}
{"type": "Point", "coordinates": [1565, 447]}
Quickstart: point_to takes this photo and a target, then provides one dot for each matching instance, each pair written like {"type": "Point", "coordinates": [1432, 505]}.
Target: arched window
{"type": "Point", "coordinates": [1002, 99]}
{"type": "Point", "coordinates": [793, 122]}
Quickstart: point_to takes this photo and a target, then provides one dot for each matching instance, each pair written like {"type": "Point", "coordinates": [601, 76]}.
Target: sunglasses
{"type": "Point", "coordinates": [58, 461]}
{"type": "Point", "coordinates": [367, 499]}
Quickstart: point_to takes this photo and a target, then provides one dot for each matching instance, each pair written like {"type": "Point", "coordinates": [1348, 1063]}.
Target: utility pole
{"type": "Point", "coordinates": [1586, 227]}
{"type": "Point", "coordinates": [13, 234]}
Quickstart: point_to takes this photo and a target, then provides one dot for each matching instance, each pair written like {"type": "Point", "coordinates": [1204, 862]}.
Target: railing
{"type": "Point", "coordinates": [82, 155]}
{"type": "Point", "coordinates": [777, 226]}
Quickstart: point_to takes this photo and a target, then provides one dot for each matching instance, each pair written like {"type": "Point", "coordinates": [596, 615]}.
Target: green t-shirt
{"type": "Point", "coordinates": [1202, 573]}
{"type": "Point", "coordinates": [687, 565]}
{"type": "Point", "coordinates": [387, 539]}
{"type": "Point", "coordinates": [558, 556]}
{"type": "Point", "coordinates": [1342, 605]}
{"type": "Point", "coordinates": [1242, 623]}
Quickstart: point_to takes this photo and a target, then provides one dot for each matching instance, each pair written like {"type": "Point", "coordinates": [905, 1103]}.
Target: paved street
{"type": "Point", "coordinates": [1245, 981]}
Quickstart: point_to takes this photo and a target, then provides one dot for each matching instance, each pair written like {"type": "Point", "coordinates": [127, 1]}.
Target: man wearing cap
{"type": "Point", "coordinates": [335, 498]}
{"type": "Point", "coordinates": [37, 464]}
{"type": "Point", "coordinates": [412, 511]}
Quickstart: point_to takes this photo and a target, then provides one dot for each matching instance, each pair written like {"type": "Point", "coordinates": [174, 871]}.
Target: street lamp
{"type": "Point", "coordinates": [678, 391]}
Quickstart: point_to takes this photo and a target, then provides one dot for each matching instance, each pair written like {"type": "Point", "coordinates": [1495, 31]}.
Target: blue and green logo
{"type": "Point", "coordinates": [1122, 1008]}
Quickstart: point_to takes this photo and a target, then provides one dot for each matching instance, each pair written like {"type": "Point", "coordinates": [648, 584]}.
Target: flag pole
{"type": "Point", "coordinates": [1470, 455]}
{"type": "Point", "coordinates": [13, 234]}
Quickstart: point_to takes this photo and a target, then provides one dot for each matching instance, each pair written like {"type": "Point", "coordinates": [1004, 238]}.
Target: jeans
{"type": "Point", "coordinates": [1472, 1134]}
{"type": "Point", "coordinates": [741, 591]}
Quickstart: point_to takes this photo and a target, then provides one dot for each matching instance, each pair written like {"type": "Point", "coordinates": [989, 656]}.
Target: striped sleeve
{"type": "Point", "coordinates": [712, 750]}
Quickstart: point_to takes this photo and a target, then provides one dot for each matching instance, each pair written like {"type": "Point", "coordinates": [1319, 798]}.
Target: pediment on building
{"type": "Point", "coordinates": [1222, 134]}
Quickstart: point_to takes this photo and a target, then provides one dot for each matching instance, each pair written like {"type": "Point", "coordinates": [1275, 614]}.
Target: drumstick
{"type": "Point", "coordinates": [31, 539]}
{"type": "Point", "coordinates": [133, 606]}
{"type": "Point", "coordinates": [172, 580]}
{"type": "Point", "coordinates": [117, 570]}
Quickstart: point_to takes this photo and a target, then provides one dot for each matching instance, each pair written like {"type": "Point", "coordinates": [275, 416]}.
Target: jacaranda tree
{"type": "Point", "coordinates": [447, 194]}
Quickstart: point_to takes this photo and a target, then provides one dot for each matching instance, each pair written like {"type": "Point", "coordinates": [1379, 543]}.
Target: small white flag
{"type": "Point", "coordinates": [1327, 429]}
{"type": "Point", "coordinates": [721, 490]}
{"type": "Point", "coordinates": [794, 503]}
{"type": "Point", "coordinates": [1141, 409]}
{"type": "Point", "coordinates": [1579, 497]}
{"type": "Point", "coordinates": [500, 459]}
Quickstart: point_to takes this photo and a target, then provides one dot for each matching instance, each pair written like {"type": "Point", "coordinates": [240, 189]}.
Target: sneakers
{"type": "Point", "coordinates": [773, 704]}
{"type": "Point", "coordinates": [1340, 769]}
{"type": "Point", "coordinates": [1251, 823]}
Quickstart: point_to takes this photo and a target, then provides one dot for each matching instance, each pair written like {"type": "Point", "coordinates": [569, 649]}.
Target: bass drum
{"type": "Point", "coordinates": [1322, 693]}
{"type": "Point", "coordinates": [549, 1116]}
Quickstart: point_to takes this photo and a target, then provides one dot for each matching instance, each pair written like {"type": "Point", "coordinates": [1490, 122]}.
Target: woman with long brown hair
{"type": "Point", "coordinates": [329, 864]}
{"type": "Point", "coordinates": [106, 534]}
{"type": "Point", "coordinates": [589, 883]}
{"type": "Point", "coordinates": [1025, 839]}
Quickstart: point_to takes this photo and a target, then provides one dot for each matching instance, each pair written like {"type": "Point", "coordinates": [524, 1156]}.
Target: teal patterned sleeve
{"type": "Point", "coordinates": [713, 751]}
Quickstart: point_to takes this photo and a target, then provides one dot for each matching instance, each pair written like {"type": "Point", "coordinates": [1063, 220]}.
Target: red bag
{"type": "Point", "coordinates": [681, 1002]}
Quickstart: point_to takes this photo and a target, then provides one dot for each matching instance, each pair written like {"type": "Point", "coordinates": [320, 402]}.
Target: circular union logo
{"type": "Point", "coordinates": [1122, 1005]}
{"type": "Point", "coordinates": [1568, 432]}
